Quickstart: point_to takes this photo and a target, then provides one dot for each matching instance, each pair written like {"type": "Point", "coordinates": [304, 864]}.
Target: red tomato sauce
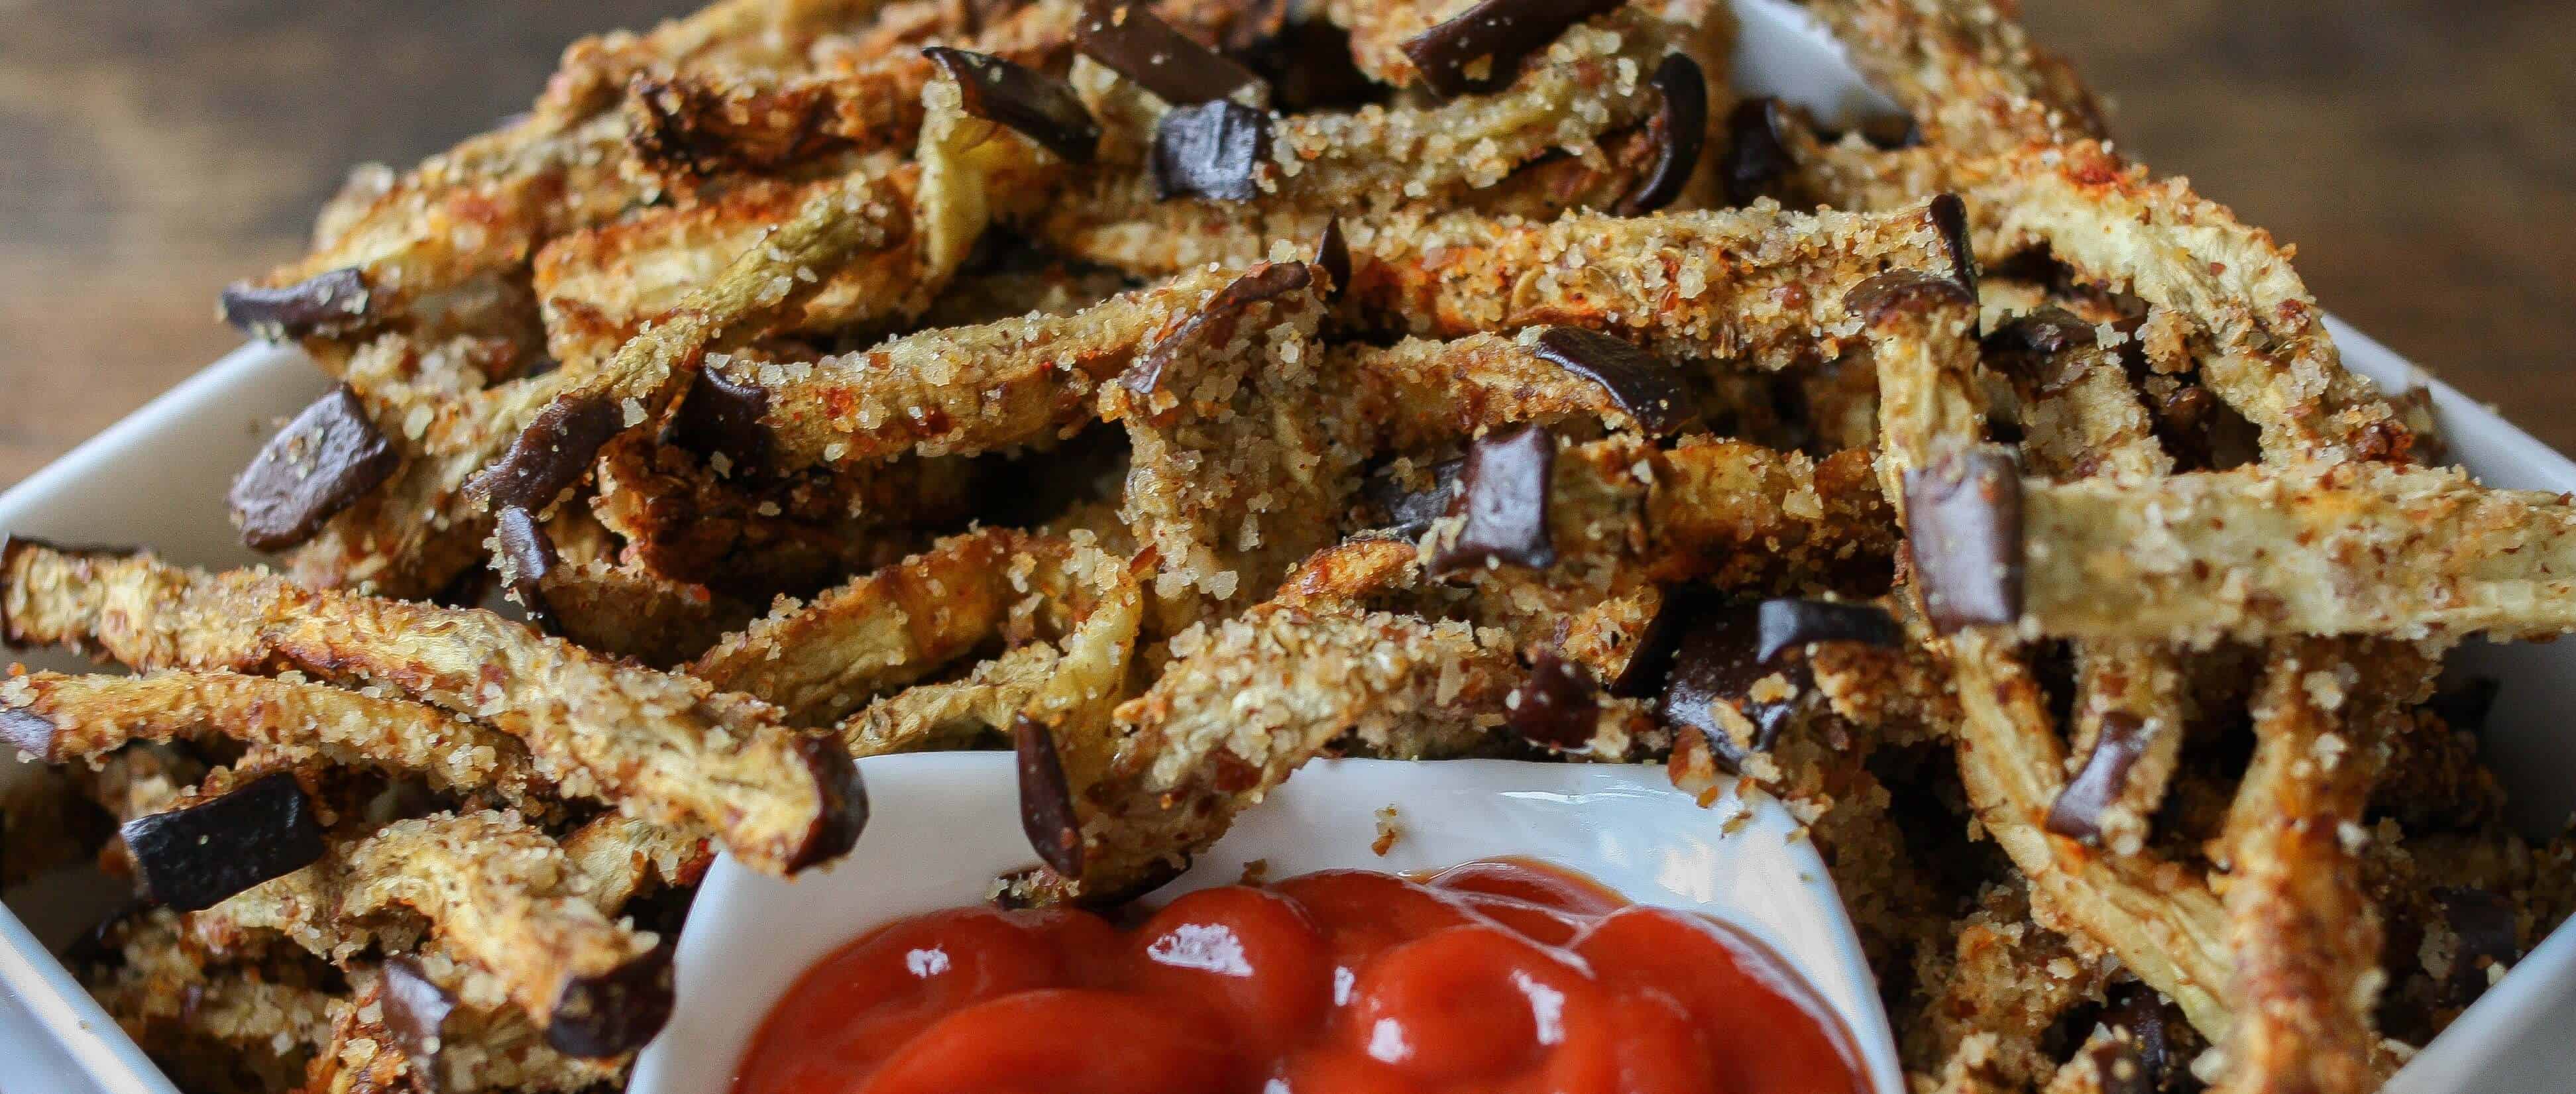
{"type": "Point", "coordinates": [1500, 976]}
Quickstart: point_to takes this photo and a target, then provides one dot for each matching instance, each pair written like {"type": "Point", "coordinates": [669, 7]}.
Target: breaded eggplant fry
{"type": "Point", "coordinates": [1966, 70]}
{"type": "Point", "coordinates": [2268, 551]}
{"type": "Point", "coordinates": [293, 721]}
{"type": "Point", "coordinates": [833, 226]}
{"type": "Point", "coordinates": [667, 748]}
{"type": "Point", "coordinates": [1759, 286]}
{"type": "Point", "coordinates": [1247, 701]}
{"type": "Point", "coordinates": [821, 659]}
{"type": "Point", "coordinates": [496, 892]}
{"type": "Point", "coordinates": [2304, 935]}
{"type": "Point", "coordinates": [1237, 461]}
{"type": "Point", "coordinates": [2163, 923]}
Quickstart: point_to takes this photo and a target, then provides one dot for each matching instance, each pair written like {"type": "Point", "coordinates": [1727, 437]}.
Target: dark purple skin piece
{"type": "Point", "coordinates": [1215, 322]}
{"type": "Point", "coordinates": [1333, 256]}
{"type": "Point", "coordinates": [1787, 623]}
{"type": "Point", "coordinates": [1650, 659]}
{"type": "Point", "coordinates": [1681, 126]}
{"type": "Point", "coordinates": [2484, 922]}
{"type": "Point", "coordinates": [532, 556]}
{"type": "Point", "coordinates": [2029, 349]}
{"type": "Point", "coordinates": [1127, 37]}
{"type": "Point", "coordinates": [329, 456]}
{"type": "Point", "coordinates": [1503, 496]}
{"type": "Point", "coordinates": [719, 415]}
{"type": "Point", "coordinates": [2139, 1012]}
{"type": "Point", "coordinates": [1648, 387]}
{"type": "Point", "coordinates": [1756, 158]}
{"type": "Point", "coordinates": [614, 1012]}
{"type": "Point", "coordinates": [1503, 31]}
{"type": "Point", "coordinates": [2077, 813]}
{"type": "Point", "coordinates": [1950, 215]}
{"type": "Point", "coordinates": [1038, 106]}
{"type": "Point", "coordinates": [1716, 663]}
{"type": "Point", "coordinates": [28, 732]}
{"type": "Point", "coordinates": [192, 858]}
{"type": "Point", "coordinates": [1410, 512]}
{"type": "Point", "coordinates": [1906, 291]}
{"type": "Point", "coordinates": [415, 1012]}
{"type": "Point", "coordinates": [1046, 798]}
{"type": "Point", "coordinates": [550, 455]}
{"type": "Point", "coordinates": [1210, 150]}
{"type": "Point", "coordinates": [326, 305]}
{"type": "Point", "coordinates": [1157, 875]}
{"type": "Point", "coordinates": [1964, 532]}
{"type": "Point", "coordinates": [1556, 707]}
{"type": "Point", "coordinates": [844, 810]}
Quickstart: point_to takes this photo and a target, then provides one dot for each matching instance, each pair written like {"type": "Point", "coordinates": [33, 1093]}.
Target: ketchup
{"type": "Point", "coordinates": [1500, 976]}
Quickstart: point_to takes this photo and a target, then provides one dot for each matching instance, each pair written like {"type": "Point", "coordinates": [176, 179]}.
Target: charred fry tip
{"type": "Point", "coordinates": [1267, 281]}
{"type": "Point", "coordinates": [1333, 255]}
{"type": "Point", "coordinates": [1905, 292]}
{"type": "Point", "coordinates": [1646, 385]}
{"type": "Point", "coordinates": [1128, 38]}
{"type": "Point", "coordinates": [843, 812]}
{"type": "Point", "coordinates": [1681, 123]}
{"type": "Point", "coordinates": [192, 858]}
{"type": "Point", "coordinates": [528, 555]}
{"type": "Point", "coordinates": [614, 1012]}
{"type": "Point", "coordinates": [550, 455]}
{"type": "Point", "coordinates": [1503, 494]}
{"type": "Point", "coordinates": [326, 458]}
{"type": "Point", "coordinates": [1787, 623]}
{"type": "Point", "coordinates": [1757, 158]}
{"type": "Point", "coordinates": [326, 305]}
{"type": "Point", "coordinates": [1497, 33]}
{"type": "Point", "coordinates": [1046, 798]}
{"type": "Point", "coordinates": [1035, 105]}
{"type": "Point", "coordinates": [2077, 812]}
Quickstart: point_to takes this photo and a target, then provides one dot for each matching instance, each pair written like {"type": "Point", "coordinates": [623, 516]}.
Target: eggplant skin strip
{"type": "Point", "coordinates": [62, 718]}
{"type": "Point", "coordinates": [2262, 552]}
{"type": "Point", "coordinates": [668, 748]}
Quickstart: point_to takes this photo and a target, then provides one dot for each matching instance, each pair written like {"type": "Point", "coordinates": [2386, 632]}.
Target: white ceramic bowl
{"type": "Point", "coordinates": [942, 826]}
{"type": "Point", "coordinates": [159, 476]}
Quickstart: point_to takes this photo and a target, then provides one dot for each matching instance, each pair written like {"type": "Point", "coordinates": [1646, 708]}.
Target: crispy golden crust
{"type": "Point", "coordinates": [2304, 936]}
{"type": "Point", "coordinates": [1965, 69]}
{"type": "Point", "coordinates": [669, 748]}
{"type": "Point", "coordinates": [493, 891]}
{"type": "Point", "coordinates": [292, 721]}
{"type": "Point", "coordinates": [2355, 549]}
{"type": "Point", "coordinates": [1758, 286]}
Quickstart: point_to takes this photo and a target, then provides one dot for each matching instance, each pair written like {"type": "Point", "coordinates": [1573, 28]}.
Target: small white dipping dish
{"type": "Point", "coordinates": [942, 826]}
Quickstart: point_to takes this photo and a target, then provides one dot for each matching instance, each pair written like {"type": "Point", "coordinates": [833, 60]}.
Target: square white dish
{"type": "Point", "coordinates": [158, 477]}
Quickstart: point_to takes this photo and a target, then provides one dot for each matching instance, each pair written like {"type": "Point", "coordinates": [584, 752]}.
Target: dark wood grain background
{"type": "Point", "coordinates": [2417, 151]}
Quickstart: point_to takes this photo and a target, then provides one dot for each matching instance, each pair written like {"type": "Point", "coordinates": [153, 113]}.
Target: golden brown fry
{"type": "Point", "coordinates": [2304, 935]}
{"type": "Point", "coordinates": [881, 631]}
{"type": "Point", "coordinates": [2265, 551]}
{"type": "Point", "coordinates": [1247, 701]}
{"type": "Point", "coordinates": [2164, 925]}
{"type": "Point", "coordinates": [292, 721]}
{"type": "Point", "coordinates": [494, 891]}
{"type": "Point", "coordinates": [1756, 286]}
{"type": "Point", "coordinates": [667, 748]}
{"type": "Point", "coordinates": [1966, 70]}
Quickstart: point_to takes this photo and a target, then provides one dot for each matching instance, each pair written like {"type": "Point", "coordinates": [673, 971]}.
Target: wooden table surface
{"type": "Point", "coordinates": [2416, 151]}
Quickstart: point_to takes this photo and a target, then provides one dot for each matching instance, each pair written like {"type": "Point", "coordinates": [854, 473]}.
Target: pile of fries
{"type": "Point", "coordinates": [1175, 393]}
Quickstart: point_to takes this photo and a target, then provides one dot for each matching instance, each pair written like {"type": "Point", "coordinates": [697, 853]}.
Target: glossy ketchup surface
{"type": "Point", "coordinates": [1496, 976]}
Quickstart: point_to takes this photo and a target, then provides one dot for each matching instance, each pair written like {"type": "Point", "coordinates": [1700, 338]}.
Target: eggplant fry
{"type": "Point", "coordinates": [669, 748]}
{"type": "Point", "coordinates": [292, 721]}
